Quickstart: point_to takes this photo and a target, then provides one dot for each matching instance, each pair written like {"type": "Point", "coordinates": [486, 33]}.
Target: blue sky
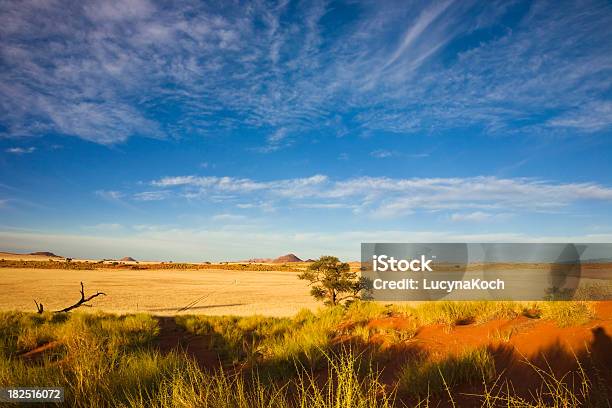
{"type": "Point", "coordinates": [228, 130]}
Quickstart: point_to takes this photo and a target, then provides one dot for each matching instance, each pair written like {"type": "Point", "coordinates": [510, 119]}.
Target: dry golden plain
{"type": "Point", "coordinates": [159, 292]}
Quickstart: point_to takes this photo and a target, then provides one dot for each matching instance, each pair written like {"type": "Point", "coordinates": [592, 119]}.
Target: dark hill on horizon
{"type": "Point", "coordinates": [45, 253]}
{"type": "Point", "coordinates": [287, 258]}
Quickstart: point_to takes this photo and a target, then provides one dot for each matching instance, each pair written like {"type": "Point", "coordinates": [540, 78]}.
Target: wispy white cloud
{"type": "Point", "coordinates": [476, 216]}
{"type": "Point", "coordinates": [110, 195]}
{"type": "Point", "coordinates": [151, 195]}
{"type": "Point", "coordinates": [296, 187]}
{"type": "Point", "coordinates": [105, 227]}
{"type": "Point", "coordinates": [327, 206]}
{"type": "Point", "coordinates": [264, 206]}
{"type": "Point", "coordinates": [382, 154]}
{"type": "Point", "coordinates": [20, 150]}
{"type": "Point", "coordinates": [416, 29]}
{"type": "Point", "coordinates": [385, 154]}
{"type": "Point", "coordinates": [589, 118]}
{"type": "Point", "coordinates": [276, 141]}
{"type": "Point", "coordinates": [386, 197]}
{"type": "Point", "coordinates": [112, 69]}
{"type": "Point", "coordinates": [117, 10]}
{"type": "Point", "coordinates": [229, 217]}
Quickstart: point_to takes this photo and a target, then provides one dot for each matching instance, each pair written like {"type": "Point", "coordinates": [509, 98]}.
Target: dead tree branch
{"type": "Point", "coordinates": [82, 300]}
{"type": "Point", "coordinates": [39, 307]}
{"type": "Point", "coordinates": [80, 303]}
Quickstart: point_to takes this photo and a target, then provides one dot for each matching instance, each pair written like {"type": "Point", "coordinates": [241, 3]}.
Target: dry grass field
{"type": "Point", "coordinates": [159, 292]}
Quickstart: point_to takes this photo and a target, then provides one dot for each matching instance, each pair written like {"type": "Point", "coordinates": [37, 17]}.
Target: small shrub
{"type": "Point", "coordinates": [423, 378]}
{"type": "Point", "coordinates": [567, 313]}
{"type": "Point", "coordinates": [453, 313]}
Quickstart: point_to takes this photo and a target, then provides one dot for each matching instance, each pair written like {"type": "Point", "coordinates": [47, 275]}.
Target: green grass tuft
{"type": "Point", "coordinates": [423, 378]}
{"type": "Point", "coordinates": [567, 313]}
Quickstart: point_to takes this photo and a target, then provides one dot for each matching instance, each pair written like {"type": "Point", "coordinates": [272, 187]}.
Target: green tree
{"type": "Point", "coordinates": [333, 282]}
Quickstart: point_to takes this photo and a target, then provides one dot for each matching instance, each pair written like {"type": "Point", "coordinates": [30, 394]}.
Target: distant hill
{"type": "Point", "coordinates": [45, 253]}
{"type": "Point", "coordinates": [287, 258]}
{"type": "Point", "coordinates": [128, 259]}
{"type": "Point", "coordinates": [259, 260]}
{"type": "Point", "coordinates": [310, 260]}
{"type": "Point", "coordinates": [281, 259]}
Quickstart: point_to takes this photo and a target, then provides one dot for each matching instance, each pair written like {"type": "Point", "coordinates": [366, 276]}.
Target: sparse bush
{"type": "Point", "coordinates": [567, 313]}
{"type": "Point", "coordinates": [333, 281]}
{"type": "Point", "coordinates": [359, 311]}
{"type": "Point", "coordinates": [424, 378]}
{"type": "Point", "coordinates": [572, 389]}
{"type": "Point", "coordinates": [460, 312]}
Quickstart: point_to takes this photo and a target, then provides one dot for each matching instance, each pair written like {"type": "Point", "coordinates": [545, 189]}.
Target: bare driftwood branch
{"type": "Point", "coordinates": [82, 300]}
{"type": "Point", "coordinates": [39, 307]}
{"type": "Point", "coordinates": [80, 303]}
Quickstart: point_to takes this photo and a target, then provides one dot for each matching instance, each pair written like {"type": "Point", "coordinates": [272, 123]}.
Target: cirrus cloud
{"type": "Point", "coordinates": [106, 71]}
